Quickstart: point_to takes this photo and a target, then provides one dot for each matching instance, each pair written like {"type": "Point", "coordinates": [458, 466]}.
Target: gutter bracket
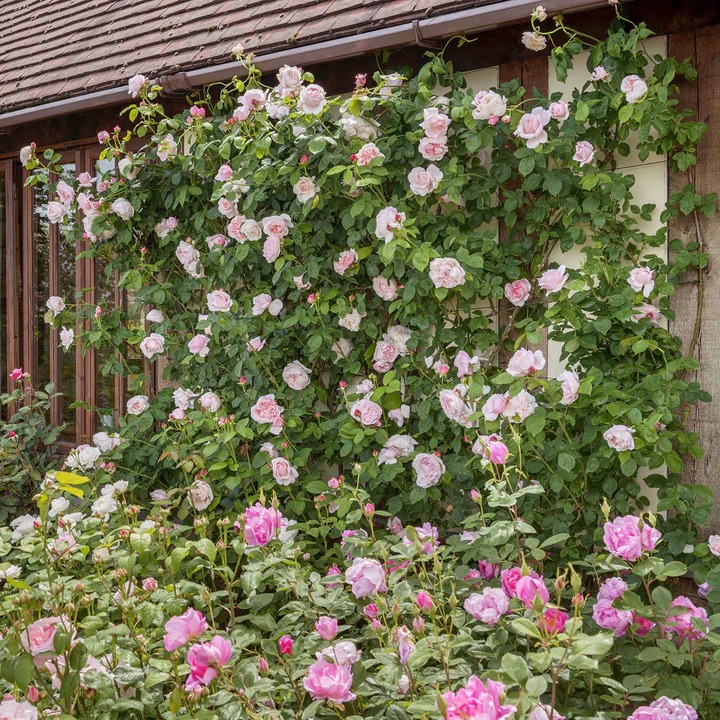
{"type": "Point", "coordinates": [174, 85]}
{"type": "Point", "coordinates": [420, 41]}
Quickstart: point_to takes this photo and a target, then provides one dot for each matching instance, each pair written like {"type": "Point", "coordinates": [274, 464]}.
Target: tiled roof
{"type": "Point", "coordinates": [52, 49]}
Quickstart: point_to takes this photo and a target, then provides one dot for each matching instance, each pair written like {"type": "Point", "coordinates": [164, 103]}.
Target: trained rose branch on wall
{"type": "Point", "coordinates": [354, 368]}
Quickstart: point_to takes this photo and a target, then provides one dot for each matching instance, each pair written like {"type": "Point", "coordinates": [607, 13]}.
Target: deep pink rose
{"type": "Point", "coordinates": [477, 700]}
{"type": "Point", "coordinates": [179, 630]}
{"type": "Point", "coordinates": [518, 292]}
{"type": "Point", "coordinates": [327, 627]}
{"type": "Point", "coordinates": [680, 623]}
{"type": "Point", "coordinates": [328, 681]}
{"type": "Point", "coordinates": [529, 588]}
{"type": "Point", "coordinates": [205, 659]}
{"type": "Point", "coordinates": [553, 621]}
{"type": "Point", "coordinates": [627, 537]}
{"type": "Point", "coordinates": [262, 524]}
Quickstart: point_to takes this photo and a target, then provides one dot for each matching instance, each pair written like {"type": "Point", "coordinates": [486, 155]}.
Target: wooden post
{"type": "Point", "coordinates": [703, 97]}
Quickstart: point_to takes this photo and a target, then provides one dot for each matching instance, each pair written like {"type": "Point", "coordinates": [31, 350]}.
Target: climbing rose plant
{"type": "Point", "coordinates": [359, 491]}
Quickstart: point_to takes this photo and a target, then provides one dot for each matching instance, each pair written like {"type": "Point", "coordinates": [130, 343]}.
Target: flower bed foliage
{"type": "Point", "coordinates": [360, 494]}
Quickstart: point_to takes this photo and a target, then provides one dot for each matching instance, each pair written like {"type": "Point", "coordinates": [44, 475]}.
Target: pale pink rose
{"type": "Point", "coordinates": [275, 307]}
{"type": "Point", "coordinates": [186, 253]}
{"type": "Point", "coordinates": [224, 173]}
{"type": "Point", "coordinates": [135, 83]}
{"type": "Point", "coordinates": [296, 375]}
{"type": "Point", "coordinates": [432, 149]}
{"type": "Point", "coordinates": [305, 189]}
{"type": "Point", "coordinates": [351, 321]}
{"type": "Point", "coordinates": [228, 208]}
{"type": "Point", "coordinates": [532, 127]}
{"type": "Point", "coordinates": [366, 577]}
{"type": "Point", "coordinates": [494, 407]}
{"type": "Point", "coordinates": [271, 248]}
{"type": "Point", "coordinates": [518, 292]}
{"type": "Point", "coordinates": [299, 283]}
{"type": "Point", "coordinates": [584, 152]}
{"type": "Point", "coordinates": [553, 280]}
{"type": "Point", "coordinates": [600, 73]}
{"type": "Point", "coordinates": [277, 225]}
{"type": "Point", "coordinates": [199, 345]}
{"type": "Point", "coordinates": [435, 124]}
{"type": "Point", "coordinates": [289, 80]}
{"type": "Point", "coordinates": [534, 41]}
{"type": "Point", "coordinates": [647, 312]}
{"type": "Point", "coordinates": [423, 182]}
{"type": "Point", "coordinates": [673, 709]}
{"type": "Point", "coordinates": [529, 589]}
{"type": "Point", "coordinates": [330, 682]}
{"type": "Point", "coordinates": [488, 104]}
{"type": "Point", "coordinates": [714, 545]}
{"type": "Point", "coordinates": [155, 316]}
{"type": "Point", "coordinates": [56, 304]}
{"type": "Point", "coordinates": [326, 627]}
{"type": "Point", "coordinates": [254, 99]}
{"type": "Point", "coordinates": [166, 148]}
{"type": "Point", "coordinates": [64, 192]}
{"type": "Point", "coordinates": [219, 301]}
{"type": "Point", "coordinates": [184, 399]}
{"type": "Point", "coordinates": [180, 629]}
{"type": "Point", "coordinates": [85, 179]}
{"type": "Point", "coordinates": [347, 259]}
{"type": "Point", "coordinates": [210, 401]}
{"type": "Point", "coordinates": [39, 637]}
{"type": "Point", "coordinates": [386, 352]}
{"type": "Point", "coordinates": [399, 334]}
{"type": "Point", "coordinates": [455, 408]}
{"type": "Point", "coordinates": [466, 365]}
{"type": "Point", "coordinates": [367, 153]}
{"type": "Point", "coordinates": [520, 407]}
{"type": "Point", "coordinates": [137, 404]}
{"type": "Point", "coordinates": [488, 606]}
{"type": "Point", "coordinates": [427, 537]}
{"type": "Point", "coordinates": [200, 495]}
{"type": "Point", "coordinates": [312, 100]}
{"type": "Point", "coordinates": [388, 220]}
{"type": "Point", "coordinates": [367, 412]}
{"type": "Point", "coordinates": [261, 303]}
{"type": "Point", "coordinates": [446, 272]}
{"type": "Point", "coordinates": [397, 446]}
{"type": "Point", "coordinates": [283, 472]}
{"type": "Point", "coordinates": [627, 537]}
{"type": "Point", "coordinates": [570, 386]}
{"type": "Point", "coordinates": [428, 469]}
{"type": "Point", "coordinates": [364, 387]}
{"type": "Point", "coordinates": [248, 230]}
{"type": "Point", "coordinates": [216, 242]}
{"type": "Point", "coordinates": [619, 437]}
{"type": "Point", "coordinates": [56, 212]}
{"type": "Point", "coordinates": [386, 288]}
{"type": "Point", "coordinates": [11, 709]}
{"type": "Point", "coordinates": [153, 344]}
{"type": "Point", "coordinates": [265, 410]}
{"type": "Point", "coordinates": [400, 415]}
{"type": "Point", "coordinates": [178, 414]}
{"type": "Point", "coordinates": [642, 279]}
{"type": "Point", "coordinates": [525, 362]}
{"type": "Point", "coordinates": [634, 87]}
{"type": "Point", "coordinates": [559, 111]}
{"type": "Point", "coordinates": [255, 344]}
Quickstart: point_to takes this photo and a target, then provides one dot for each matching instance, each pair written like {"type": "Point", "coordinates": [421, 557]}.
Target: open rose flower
{"type": "Point", "coordinates": [518, 292]}
{"type": "Point", "coordinates": [422, 181]}
{"type": "Point", "coordinates": [553, 280]}
{"type": "Point", "coordinates": [265, 410]}
{"type": "Point", "coordinates": [488, 606]}
{"type": "Point", "coordinates": [199, 345]}
{"type": "Point", "coordinates": [38, 638]}
{"type": "Point", "coordinates": [570, 386]}
{"type": "Point", "coordinates": [620, 437]}
{"type": "Point", "coordinates": [366, 577]}
{"type": "Point", "coordinates": [312, 100]}
{"type": "Point", "coordinates": [628, 537]}
{"type": "Point", "coordinates": [205, 659]}
{"type": "Point", "coordinates": [435, 123]}
{"type": "Point", "coordinates": [347, 259]}
{"type": "Point", "coordinates": [488, 104]}
{"type": "Point", "coordinates": [477, 700]}
{"type": "Point", "coordinates": [367, 153]}
{"type": "Point", "coordinates": [153, 344]}
{"type": "Point", "coordinates": [388, 220]}
{"type": "Point", "coordinates": [642, 279]}
{"type": "Point", "coordinates": [219, 301]}
{"type": "Point", "coordinates": [428, 469]}
{"type": "Point", "coordinates": [634, 87]}
{"type": "Point", "coordinates": [584, 153]}
{"type": "Point", "coordinates": [137, 404]}
{"type": "Point", "coordinates": [367, 412]}
{"type": "Point", "coordinates": [305, 189]}
{"type": "Point", "coordinates": [525, 362]}
{"type": "Point", "coordinates": [283, 472]}
{"type": "Point", "coordinates": [296, 375]}
{"type": "Point", "coordinates": [200, 495]}
{"type": "Point", "coordinates": [327, 681]}
{"type": "Point", "coordinates": [531, 127]}
{"type": "Point", "coordinates": [262, 525]}
{"type": "Point", "coordinates": [179, 630]}
{"type": "Point", "coordinates": [386, 288]}
{"type": "Point", "coordinates": [446, 272]}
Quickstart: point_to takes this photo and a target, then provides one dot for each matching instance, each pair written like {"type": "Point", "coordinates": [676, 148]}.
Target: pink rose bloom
{"type": "Point", "coordinates": [227, 208]}
{"type": "Point", "coordinates": [199, 345]}
{"type": "Point", "coordinates": [570, 386]}
{"type": "Point", "coordinates": [327, 627]}
{"type": "Point", "coordinates": [525, 362]}
{"type": "Point", "coordinates": [65, 192]}
{"type": "Point", "coordinates": [488, 606]}
{"type": "Point", "coordinates": [584, 152]}
{"type": "Point", "coordinates": [610, 618]}
{"type": "Point", "coordinates": [153, 344]}
{"type": "Point", "coordinates": [367, 153]}
{"type": "Point", "coordinates": [545, 712]}
{"type": "Point", "coordinates": [456, 408]}
{"type": "Point", "coordinates": [532, 127]}
{"type": "Point", "coordinates": [400, 415]}
{"type": "Point", "coordinates": [432, 149]}
{"type": "Point", "coordinates": [488, 570]}
{"type": "Point", "coordinates": [217, 241]}
{"type": "Point", "coordinates": [205, 659]}
{"type": "Point", "coordinates": [367, 412]}
{"type": "Point", "coordinates": [520, 407]}
{"type": "Point", "coordinates": [179, 630]}
{"type": "Point", "coordinates": [366, 577]}
{"type": "Point", "coordinates": [262, 524]}
{"type": "Point", "coordinates": [103, 136]}
{"type": "Point", "coordinates": [347, 259]}
{"type": "Point", "coordinates": [518, 292]}
{"type": "Point", "coordinates": [296, 375]}
{"type": "Point", "coordinates": [261, 303]}
{"type": "Point", "coordinates": [271, 248]}
{"type": "Point", "coordinates": [642, 279]}
{"type": "Point", "coordinates": [559, 111]}
{"type": "Point", "coordinates": [424, 600]}
{"type": "Point", "coordinates": [466, 365]}
{"type": "Point", "coordinates": [492, 449]}
{"type": "Point", "coordinates": [634, 87]}
{"type": "Point", "coordinates": [385, 288]}
{"type": "Point", "coordinates": [38, 639]}
{"type": "Point", "coordinates": [553, 280]}
{"type": "Point", "coordinates": [224, 173]}
{"type": "Point", "coordinates": [680, 623]}
{"type": "Point", "coordinates": [627, 537]}
{"type": "Point", "coordinates": [385, 354]}
{"type": "Point", "coordinates": [427, 537]}
{"type": "Point", "coordinates": [277, 225]}
{"type": "Point", "coordinates": [18, 710]}
{"type": "Point", "coordinates": [477, 701]}
{"type": "Point", "coordinates": [428, 469]}
{"type": "Point", "coordinates": [714, 545]}
{"type": "Point", "coordinates": [312, 100]}
{"type": "Point", "coordinates": [619, 437]}
{"type": "Point", "coordinates": [446, 273]}
{"type": "Point", "coordinates": [510, 577]}
{"type": "Point", "coordinates": [135, 83]}
{"type": "Point", "coordinates": [423, 182]}
{"type": "Point", "coordinates": [283, 472]}
{"type": "Point", "coordinates": [488, 104]}
{"type": "Point", "coordinates": [305, 189]}
{"type": "Point", "coordinates": [285, 645]}
{"type": "Point", "coordinates": [612, 589]}
{"type": "Point", "coordinates": [328, 681]}
{"type": "Point", "coordinates": [675, 709]}
{"type": "Point", "coordinates": [351, 321]}
{"type": "Point", "coordinates": [387, 221]}
{"type": "Point", "coordinates": [435, 124]}
{"type": "Point", "coordinates": [150, 584]}
{"type": "Point", "coordinates": [219, 301]}
{"type": "Point", "coordinates": [529, 588]}
{"type": "Point", "coordinates": [255, 344]}
{"type": "Point", "coordinates": [553, 621]}
{"type": "Point", "coordinates": [494, 407]}
{"type": "Point", "coordinates": [210, 401]}
{"type": "Point", "coordinates": [265, 410]}
{"type": "Point", "coordinates": [647, 312]}
{"type": "Point", "coordinates": [600, 73]}
{"type": "Point", "coordinates": [644, 626]}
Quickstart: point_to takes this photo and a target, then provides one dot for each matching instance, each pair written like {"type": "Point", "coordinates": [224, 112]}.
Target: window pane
{"type": "Point", "coordinates": [41, 235]}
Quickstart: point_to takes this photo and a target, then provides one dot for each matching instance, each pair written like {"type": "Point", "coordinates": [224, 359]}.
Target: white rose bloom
{"type": "Point", "coordinates": [155, 316]}
{"type": "Point", "coordinates": [22, 526]}
{"type": "Point", "coordinates": [10, 572]}
{"type": "Point", "coordinates": [200, 495]}
{"type": "Point", "coordinates": [123, 209]}
{"type": "Point", "coordinates": [103, 506]}
{"type": "Point", "coordinates": [83, 457]}
{"type": "Point", "coordinates": [56, 304]}
{"type": "Point", "coordinates": [58, 506]}
{"type": "Point", "coordinates": [137, 405]}
{"type": "Point", "coordinates": [304, 189]}
{"type": "Point", "coordinates": [210, 401]}
{"type": "Point", "coordinates": [67, 336]}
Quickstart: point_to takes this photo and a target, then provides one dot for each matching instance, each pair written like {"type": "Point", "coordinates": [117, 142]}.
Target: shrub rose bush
{"type": "Point", "coordinates": [359, 492]}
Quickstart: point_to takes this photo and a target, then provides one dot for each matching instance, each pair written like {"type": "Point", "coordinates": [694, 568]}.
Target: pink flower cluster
{"type": "Point", "coordinates": [477, 700]}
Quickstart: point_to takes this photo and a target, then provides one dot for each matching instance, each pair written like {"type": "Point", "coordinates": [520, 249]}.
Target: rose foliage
{"type": "Point", "coordinates": [359, 493]}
